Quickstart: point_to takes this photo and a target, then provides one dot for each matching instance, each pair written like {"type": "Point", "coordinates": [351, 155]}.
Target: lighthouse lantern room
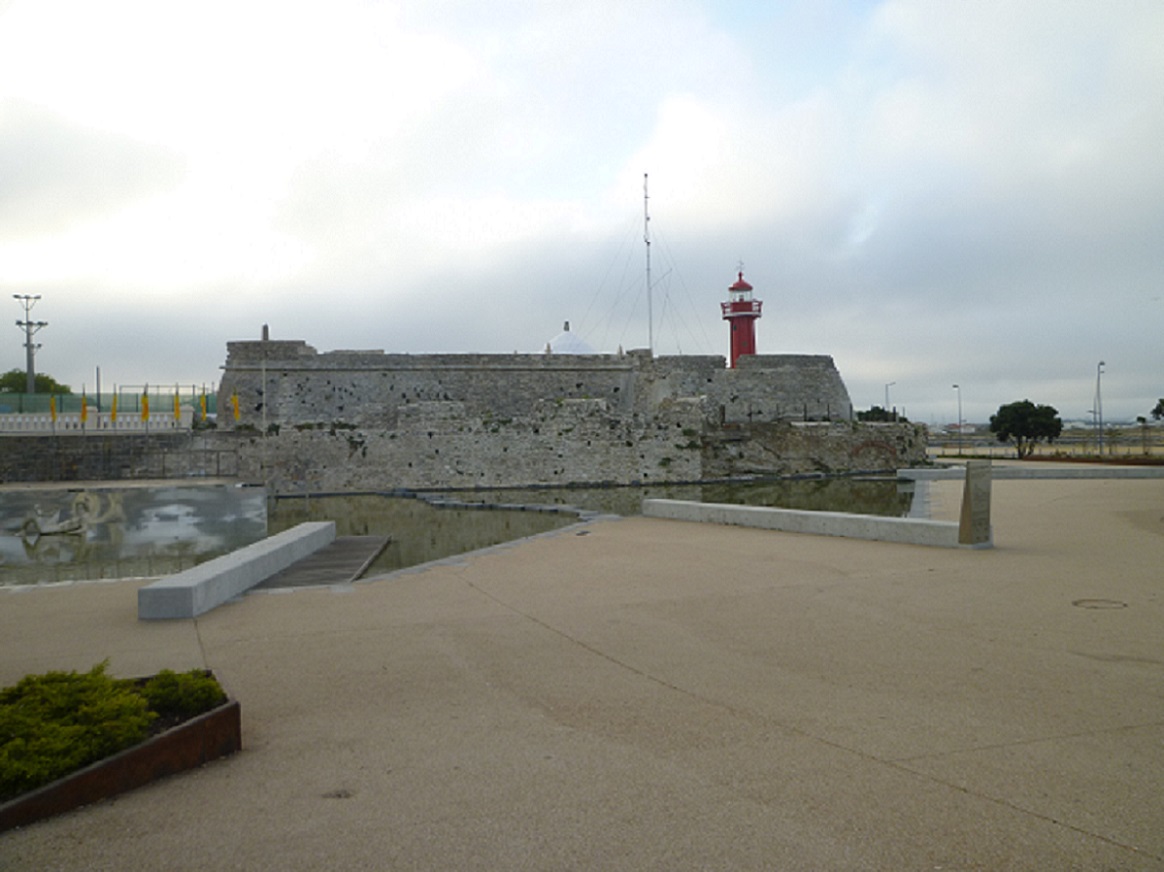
{"type": "Point", "coordinates": [741, 311]}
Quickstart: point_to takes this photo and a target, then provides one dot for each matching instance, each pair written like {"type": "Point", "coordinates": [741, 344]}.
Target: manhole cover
{"type": "Point", "coordinates": [1099, 604]}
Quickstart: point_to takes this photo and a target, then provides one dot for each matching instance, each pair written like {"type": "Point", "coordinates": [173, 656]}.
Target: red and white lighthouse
{"type": "Point", "coordinates": [741, 311]}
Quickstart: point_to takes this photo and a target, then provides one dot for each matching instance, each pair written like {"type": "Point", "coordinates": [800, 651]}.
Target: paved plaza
{"type": "Point", "coordinates": [650, 694]}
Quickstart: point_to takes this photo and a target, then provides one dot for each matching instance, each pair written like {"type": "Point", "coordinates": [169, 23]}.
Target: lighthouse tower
{"type": "Point", "coordinates": [741, 311]}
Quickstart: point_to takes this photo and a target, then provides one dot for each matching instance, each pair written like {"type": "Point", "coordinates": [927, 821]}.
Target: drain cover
{"type": "Point", "coordinates": [1099, 604]}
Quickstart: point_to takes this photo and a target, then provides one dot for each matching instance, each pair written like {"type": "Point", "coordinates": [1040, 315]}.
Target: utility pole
{"type": "Point", "coordinates": [958, 388]}
{"type": "Point", "coordinates": [30, 327]}
{"type": "Point", "coordinates": [647, 244]}
{"type": "Point", "coordinates": [1099, 403]}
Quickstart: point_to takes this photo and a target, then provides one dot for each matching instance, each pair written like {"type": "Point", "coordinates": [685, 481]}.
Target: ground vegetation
{"type": "Point", "coordinates": [56, 723]}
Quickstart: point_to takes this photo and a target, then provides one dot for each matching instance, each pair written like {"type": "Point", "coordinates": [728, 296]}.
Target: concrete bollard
{"type": "Point", "coordinates": [974, 523]}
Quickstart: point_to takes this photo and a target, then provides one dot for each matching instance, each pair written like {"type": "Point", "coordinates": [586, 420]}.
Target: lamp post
{"type": "Point", "coordinates": [1099, 404]}
{"type": "Point", "coordinates": [958, 388]}
{"type": "Point", "coordinates": [887, 387]}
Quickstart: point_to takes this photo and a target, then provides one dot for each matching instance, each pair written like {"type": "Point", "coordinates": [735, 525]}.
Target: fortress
{"type": "Point", "coordinates": [301, 421]}
{"type": "Point", "coordinates": [361, 420]}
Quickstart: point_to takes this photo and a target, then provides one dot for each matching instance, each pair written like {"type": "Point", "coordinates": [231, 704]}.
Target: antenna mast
{"type": "Point", "coordinates": [647, 241]}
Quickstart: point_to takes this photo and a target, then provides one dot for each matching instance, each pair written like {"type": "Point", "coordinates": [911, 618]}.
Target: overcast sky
{"type": "Point", "coordinates": [933, 193]}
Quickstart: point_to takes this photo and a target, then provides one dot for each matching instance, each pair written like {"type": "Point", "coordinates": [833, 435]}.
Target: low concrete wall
{"type": "Point", "coordinates": [911, 531]}
{"type": "Point", "coordinates": [1038, 470]}
{"type": "Point", "coordinates": [197, 590]}
{"type": "Point", "coordinates": [972, 530]}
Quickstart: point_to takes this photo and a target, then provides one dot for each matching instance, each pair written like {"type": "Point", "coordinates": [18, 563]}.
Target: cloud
{"type": "Point", "coordinates": [56, 173]}
{"type": "Point", "coordinates": [934, 194]}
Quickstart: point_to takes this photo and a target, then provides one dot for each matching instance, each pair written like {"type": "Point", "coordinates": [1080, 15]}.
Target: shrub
{"type": "Point", "coordinates": [59, 722]}
{"type": "Point", "coordinates": [55, 723]}
{"type": "Point", "coordinates": [182, 695]}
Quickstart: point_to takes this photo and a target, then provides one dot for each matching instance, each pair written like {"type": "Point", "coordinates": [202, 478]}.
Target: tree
{"type": "Point", "coordinates": [1026, 424]}
{"type": "Point", "coordinates": [1158, 412]}
{"type": "Point", "coordinates": [878, 414]}
{"type": "Point", "coordinates": [16, 380]}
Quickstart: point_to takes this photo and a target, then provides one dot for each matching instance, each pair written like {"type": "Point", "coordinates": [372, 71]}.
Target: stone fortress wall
{"type": "Point", "coordinates": [360, 420]}
{"type": "Point", "coordinates": [371, 388]}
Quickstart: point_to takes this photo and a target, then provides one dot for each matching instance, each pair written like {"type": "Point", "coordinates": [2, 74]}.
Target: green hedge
{"type": "Point", "coordinates": [56, 723]}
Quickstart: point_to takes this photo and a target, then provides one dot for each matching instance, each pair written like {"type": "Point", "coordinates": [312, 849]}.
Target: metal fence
{"type": "Point", "coordinates": [1129, 442]}
{"type": "Point", "coordinates": [97, 422]}
{"type": "Point", "coordinates": [129, 409]}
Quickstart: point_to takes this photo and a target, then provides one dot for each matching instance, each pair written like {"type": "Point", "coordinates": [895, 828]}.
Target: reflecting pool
{"type": "Point", "coordinates": [61, 534]}
{"type": "Point", "coordinates": [419, 532]}
{"type": "Point", "coordinates": [863, 496]}
{"type": "Point", "coordinates": [55, 534]}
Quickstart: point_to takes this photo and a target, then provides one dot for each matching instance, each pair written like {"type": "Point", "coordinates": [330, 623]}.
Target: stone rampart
{"type": "Point", "coordinates": [291, 383]}
{"type": "Point", "coordinates": [366, 420]}
{"type": "Point", "coordinates": [115, 456]}
{"type": "Point", "coordinates": [345, 420]}
{"type": "Point", "coordinates": [782, 387]}
{"type": "Point", "coordinates": [790, 447]}
{"type": "Point", "coordinates": [572, 442]}
{"type": "Point", "coordinates": [368, 388]}
{"type": "Point", "coordinates": [440, 445]}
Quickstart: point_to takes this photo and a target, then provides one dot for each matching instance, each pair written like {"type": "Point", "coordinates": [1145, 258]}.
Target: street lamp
{"type": "Point", "coordinates": [958, 388]}
{"type": "Point", "coordinates": [887, 387]}
{"type": "Point", "coordinates": [1099, 404]}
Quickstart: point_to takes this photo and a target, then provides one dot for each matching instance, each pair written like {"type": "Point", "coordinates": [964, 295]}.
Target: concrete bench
{"type": "Point", "coordinates": [201, 588]}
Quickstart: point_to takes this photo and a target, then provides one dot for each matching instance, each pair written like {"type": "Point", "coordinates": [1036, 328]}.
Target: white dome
{"type": "Point", "coordinates": [568, 343]}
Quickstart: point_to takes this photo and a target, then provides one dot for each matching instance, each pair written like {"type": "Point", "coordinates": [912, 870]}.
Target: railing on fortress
{"type": "Point", "coordinates": [130, 409]}
{"type": "Point", "coordinates": [97, 422]}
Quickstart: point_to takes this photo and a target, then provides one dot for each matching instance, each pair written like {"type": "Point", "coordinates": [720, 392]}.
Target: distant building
{"type": "Point", "coordinates": [568, 343]}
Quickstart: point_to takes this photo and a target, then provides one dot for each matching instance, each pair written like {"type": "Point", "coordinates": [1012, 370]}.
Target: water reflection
{"type": "Point", "coordinates": [55, 535]}
{"type": "Point", "coordinates": [52, 535]}
{"type": "Point", "coordinates": [866, 496]}
{"type": "Point", "coordinates": [419, 532]}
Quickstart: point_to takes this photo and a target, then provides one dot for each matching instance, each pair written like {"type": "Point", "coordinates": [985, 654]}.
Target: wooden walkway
{"type": "Point", "coordinates": [343, 561]}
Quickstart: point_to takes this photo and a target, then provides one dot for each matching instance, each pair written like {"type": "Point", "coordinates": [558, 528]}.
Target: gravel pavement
{"type": "Point", "coordinates": [649, 694]}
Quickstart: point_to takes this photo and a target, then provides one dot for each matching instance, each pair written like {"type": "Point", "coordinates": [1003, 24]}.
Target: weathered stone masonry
{"type": "Point", "coordinates": [370, 388]}
{"type": "Point", "coordinates": [364, 420]}
{"type": "Point", "coordinates": [95, 456]}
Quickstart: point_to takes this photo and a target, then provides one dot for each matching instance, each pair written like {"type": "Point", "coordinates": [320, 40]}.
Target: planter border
{"type": "Point", "coordinates": [207, 737]}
